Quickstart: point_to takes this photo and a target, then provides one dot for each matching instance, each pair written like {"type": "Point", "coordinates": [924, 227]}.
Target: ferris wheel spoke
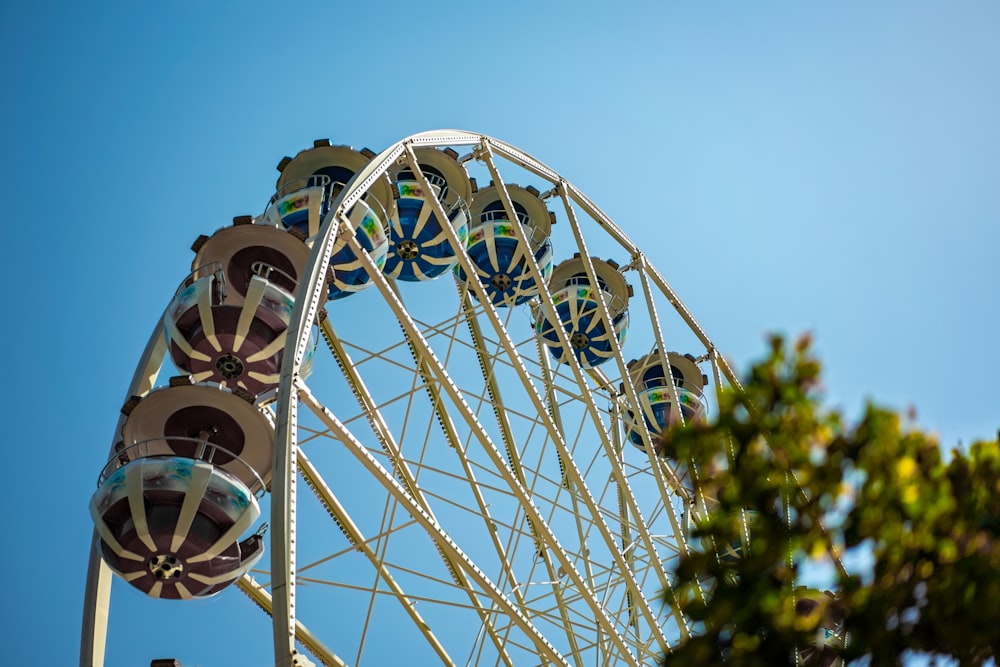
{"type": "Point", "coordinates": [565, 483]}
{"type": "Point", "coordinates": [557, 437]}
{"type": "Point", "coordinates": [662, 474]}
{"type": "Point", "coordinates": [495, 399]}
{"type": "Point", "coordinates": [671, 384]}
{"type": "Point", "coordinates": [438, 535]}
{"type": "Point", "coordinates": [457, 574]}
{"type": "Point", "coordinates": [357, 539]}
{"type": "Point", "coordinates": [507, 573]}
{"type": "Point", "coordinates": [513, 459]}
{"type": "Point", "coordinates": [375, 420]}
{"type": "Point", "coordinates": [626, 541]}
{"type": "Point", "coordinates": [451, 435]}
{"type": "Point", "coordinates": [659, 466]}
{"type": "Point", "coordinates": [444, 381]}
{"type": "Point", "coordinates": [259, 596]}
{"type": "Point", "coordinates": [547, 306]}
{"type": "Point", "coordinates": [605, 317]}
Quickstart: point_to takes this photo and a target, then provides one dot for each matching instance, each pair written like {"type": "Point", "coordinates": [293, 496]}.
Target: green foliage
{"type": "Point", "coordinates": [921, 530]}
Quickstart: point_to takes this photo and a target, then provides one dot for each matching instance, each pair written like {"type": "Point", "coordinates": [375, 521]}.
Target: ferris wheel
{"type": "Point", "coordinates": [415, 407]}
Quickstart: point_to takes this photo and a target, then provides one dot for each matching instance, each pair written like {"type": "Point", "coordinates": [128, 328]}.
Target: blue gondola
{"type": "Point", "coordinates": [648, 376]}
{"type": "Point", "coordinates": [307, 187]}
{"type": "Point", "coordinates": [419, 248]}
{"type": "Point", "coordinates": [502, 261]}
{"type": "Point", "coordinates": [591, 338]}
{"type": "Point", "coordinates": [831, 637]}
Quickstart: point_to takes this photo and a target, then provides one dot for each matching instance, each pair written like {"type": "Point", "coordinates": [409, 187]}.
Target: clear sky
{"type": "Point", "coordinates": [822, 167]}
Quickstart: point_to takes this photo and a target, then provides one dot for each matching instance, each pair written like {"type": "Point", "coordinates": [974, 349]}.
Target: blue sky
{"type": "Point", "coordinates": [788, 167]}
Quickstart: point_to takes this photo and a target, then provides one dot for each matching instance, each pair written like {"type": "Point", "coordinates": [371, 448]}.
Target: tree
{"type": "Point", "coordinates": [920, 530]}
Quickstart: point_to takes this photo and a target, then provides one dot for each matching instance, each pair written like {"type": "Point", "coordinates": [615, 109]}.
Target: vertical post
{"type": "Point", "coordinates": [97, 594]}
{"type": "Point", "coordinates": [283, 488]}
{"type": "Point", "coordinates": [94, 636]}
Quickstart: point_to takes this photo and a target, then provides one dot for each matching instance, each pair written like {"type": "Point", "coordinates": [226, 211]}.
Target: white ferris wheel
{"type": "Point", "coordinates": [445, 400]}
